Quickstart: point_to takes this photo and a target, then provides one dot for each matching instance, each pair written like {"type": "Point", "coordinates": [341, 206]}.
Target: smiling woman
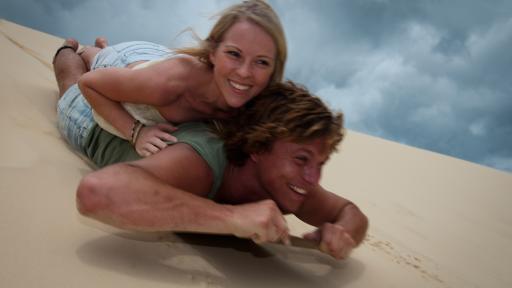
{"type": "Point", "coordinates": [139, 90]}
{"type": "Point", "coordinates": [241, 69]}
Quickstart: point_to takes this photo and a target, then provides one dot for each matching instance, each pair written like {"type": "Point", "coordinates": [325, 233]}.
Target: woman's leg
{"type": "Point", "coordinates": [68, 66]}
{"type": "Point", "coordinates": [74, 113]}
{"type": "Point", "coordinates": [89, 52]}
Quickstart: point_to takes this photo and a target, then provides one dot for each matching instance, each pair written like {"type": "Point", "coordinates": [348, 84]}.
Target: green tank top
{"type": "Point", "coordinates": [104, 148]}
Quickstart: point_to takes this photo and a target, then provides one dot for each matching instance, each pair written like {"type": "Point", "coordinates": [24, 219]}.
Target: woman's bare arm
{"type": "Point", "coordinates": [106, 88]}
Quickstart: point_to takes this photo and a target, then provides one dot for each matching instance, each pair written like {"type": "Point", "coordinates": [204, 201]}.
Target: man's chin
{"type": "Point", "coordinates": [287, 209]}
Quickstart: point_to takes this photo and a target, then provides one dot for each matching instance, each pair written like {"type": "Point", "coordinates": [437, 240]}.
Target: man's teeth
{"type": "Point", "coordinates": [299, 190]}
{"type": "Point", "coordinates": [239, 86]}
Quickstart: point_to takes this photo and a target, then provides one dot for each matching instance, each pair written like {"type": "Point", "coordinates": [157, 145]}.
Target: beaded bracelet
{"type": "Point", "coordinates": [137, 126]}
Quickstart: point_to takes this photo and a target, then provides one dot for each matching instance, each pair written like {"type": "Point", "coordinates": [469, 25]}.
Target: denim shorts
{"type": "Point", "coordinates": [75, 120]}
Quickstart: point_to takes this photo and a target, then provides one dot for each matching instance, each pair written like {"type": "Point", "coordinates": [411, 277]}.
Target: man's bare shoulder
{"type": "Point", "coordinates": [181, 166]}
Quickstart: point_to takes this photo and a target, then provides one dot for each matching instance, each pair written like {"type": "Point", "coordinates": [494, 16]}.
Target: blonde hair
{"type": "Point", "coordinates": [282, 111]}
{"type": "Point", "coordinates": [257, 12]}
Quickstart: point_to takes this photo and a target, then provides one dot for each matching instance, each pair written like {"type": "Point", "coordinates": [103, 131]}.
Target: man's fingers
{"type": "Point", "coordinates": [257, 239]}
{"type": "Point", "coordinates": [261, 221]}
{"type": "Point", "coordinates": [313, 236]}
{"type": "Point", "coordinates": [285, 238]}
{"type": "Point", "coordinates": [335, 241]}
{"type": "Point", "coordinates": [282, 229]}
{"type": "Point", "coordinates": [276, 230]}
{"type": "Point", "coordinates": [350, 240]}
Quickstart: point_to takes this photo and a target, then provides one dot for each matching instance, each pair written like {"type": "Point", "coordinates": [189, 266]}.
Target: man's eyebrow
{"type": "Point", "coordinates": [304, 149]}
{"type": "Point", "coordinates": [311, 152]}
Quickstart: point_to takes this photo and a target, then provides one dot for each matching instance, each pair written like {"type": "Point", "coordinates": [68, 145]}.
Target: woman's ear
{"type": "Point", "coordinates": [212, 56]}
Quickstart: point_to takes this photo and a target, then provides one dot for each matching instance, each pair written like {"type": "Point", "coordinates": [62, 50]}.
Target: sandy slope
{"type": "Point", "coordinates": [435, 221]}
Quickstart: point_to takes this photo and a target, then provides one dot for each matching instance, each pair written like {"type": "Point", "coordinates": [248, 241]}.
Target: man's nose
{"type": "Point", "coordinates": [312, 175]}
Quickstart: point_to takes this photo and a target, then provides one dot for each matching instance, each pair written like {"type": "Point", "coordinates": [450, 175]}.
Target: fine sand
{"type": "Point", "coordinates": [436, 221]}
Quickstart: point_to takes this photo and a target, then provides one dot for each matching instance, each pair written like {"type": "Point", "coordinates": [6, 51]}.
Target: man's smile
{"type": "Point", "coordinates": [297, 189]}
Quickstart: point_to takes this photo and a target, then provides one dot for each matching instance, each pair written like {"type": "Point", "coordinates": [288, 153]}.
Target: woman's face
{"type": "Point", "coordinates": [243, 63]}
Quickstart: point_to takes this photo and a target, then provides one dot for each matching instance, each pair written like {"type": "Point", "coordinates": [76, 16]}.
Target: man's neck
{"type": "Point", "coordinates": [240, 185]}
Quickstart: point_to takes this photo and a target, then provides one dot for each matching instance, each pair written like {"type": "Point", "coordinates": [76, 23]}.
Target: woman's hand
{"type": "Point", "coordinates": [152, 139]}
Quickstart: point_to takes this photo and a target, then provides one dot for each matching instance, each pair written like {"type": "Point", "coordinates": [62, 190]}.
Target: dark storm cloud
{"type": "Point", "coordinates": [432, 74]}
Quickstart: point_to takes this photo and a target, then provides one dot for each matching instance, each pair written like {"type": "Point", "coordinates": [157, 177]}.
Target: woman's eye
{"type": "Point", "coordinates": [263, 62]}
{"type": "Point", "coordinates": [233, 53]}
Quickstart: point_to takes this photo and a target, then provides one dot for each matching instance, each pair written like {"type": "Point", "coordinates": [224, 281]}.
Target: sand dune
{"type": "Point", "coordinates": [436, 221]}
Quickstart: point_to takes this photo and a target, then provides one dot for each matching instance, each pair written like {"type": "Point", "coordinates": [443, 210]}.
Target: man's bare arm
{"type": "Point", "coordinates": [135, 196]}
{"type": "Point", "coordinates": [341, 224]}
{"type": "Point", "coordinates": [326, 207]}
{"type": "Point", "coordinates": [166, 192]}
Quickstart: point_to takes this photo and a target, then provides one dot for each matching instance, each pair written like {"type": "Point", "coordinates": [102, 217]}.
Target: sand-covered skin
{"type": "Point", "coordinates": [435, 221]}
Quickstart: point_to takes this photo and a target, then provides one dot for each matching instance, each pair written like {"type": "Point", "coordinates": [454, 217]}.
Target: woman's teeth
{"type": "Point", "coordinates": [239, 86]}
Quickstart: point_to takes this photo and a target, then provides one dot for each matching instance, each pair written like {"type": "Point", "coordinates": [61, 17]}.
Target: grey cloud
{"type": "Point", "coordinates": [427, 74]}
{"type": "Point", "coordinates": [159, 20]}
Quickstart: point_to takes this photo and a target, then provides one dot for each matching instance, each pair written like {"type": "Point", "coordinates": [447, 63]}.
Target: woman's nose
{"type": "Point", "coordinates": [244, 70]}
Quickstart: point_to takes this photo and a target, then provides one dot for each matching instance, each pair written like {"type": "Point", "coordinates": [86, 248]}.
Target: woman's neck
{"type": "Point", "coordinates": [208, 100]}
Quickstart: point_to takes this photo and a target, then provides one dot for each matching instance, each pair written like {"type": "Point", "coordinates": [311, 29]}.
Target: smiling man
{"type": "Point", "coordinates": [268, 164]}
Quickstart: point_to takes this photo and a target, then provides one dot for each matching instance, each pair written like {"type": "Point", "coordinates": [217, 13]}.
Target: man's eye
{"type": "Point", "coordinates": [301, 159]}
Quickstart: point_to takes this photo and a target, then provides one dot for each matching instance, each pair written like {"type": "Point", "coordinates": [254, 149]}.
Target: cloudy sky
{"type": "Point", "coordinates": [428, 73]}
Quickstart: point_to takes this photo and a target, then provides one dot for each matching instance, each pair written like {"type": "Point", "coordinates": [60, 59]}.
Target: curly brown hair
{"type": "Point", "coordinates": [282, 111]}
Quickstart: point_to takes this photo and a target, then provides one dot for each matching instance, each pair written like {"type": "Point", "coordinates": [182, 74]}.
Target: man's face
{"type": "Point", "coordinates": [291, 170]}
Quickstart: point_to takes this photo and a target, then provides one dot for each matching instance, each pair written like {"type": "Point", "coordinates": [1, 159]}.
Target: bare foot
{"type": "Point", "coordinates": [69, 43]}
{"type": "Point", "coordinates": [101, 42]}
{"type": "Point", "coordinates": [67, 65]}
{"type": "Point", "coordinates": [89, 52]}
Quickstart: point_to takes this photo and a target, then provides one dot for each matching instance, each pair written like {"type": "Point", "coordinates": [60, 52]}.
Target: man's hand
{"type": "Point", "coordinates": [333, 239]}
{"type": "Point", "coordinates": [261, 221]}
{"type": "Point", "coordinates": [152, 139]}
